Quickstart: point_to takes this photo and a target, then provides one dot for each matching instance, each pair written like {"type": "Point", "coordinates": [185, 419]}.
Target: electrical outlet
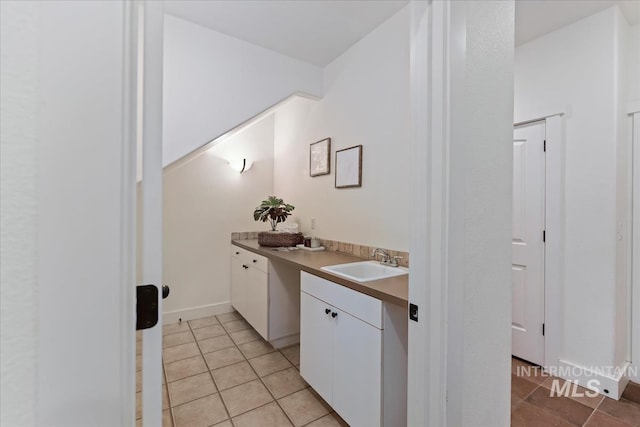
{"type": "Point", "coordinates": [313, 223]}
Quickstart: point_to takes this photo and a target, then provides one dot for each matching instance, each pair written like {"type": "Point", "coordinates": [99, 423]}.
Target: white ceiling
{"type": "Point", "coordinates": [313, 31]}
{"type": "Point", "coordinates": [318, 31]}
{"type": "Point", "coordinates": [535, 18]}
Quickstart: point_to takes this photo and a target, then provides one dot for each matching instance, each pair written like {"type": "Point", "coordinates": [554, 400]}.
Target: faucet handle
{"type": "Point", "coordinates": [395, 260]}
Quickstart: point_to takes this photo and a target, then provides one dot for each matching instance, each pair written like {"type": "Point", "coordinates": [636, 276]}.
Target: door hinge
{"type": "Point", "coordinates": [544, 235]}
{"type": "Point", "coordinates": [544, 146]}
{"type": "Point", "coordinates": [543, 329]}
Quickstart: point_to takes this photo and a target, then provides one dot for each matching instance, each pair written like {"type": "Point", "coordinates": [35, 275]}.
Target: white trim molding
{"type": "Point", "coordinates": [554, 245]}
{"type": "Point", "coordinates": [458, 363]}
{"type": "Point", "coordinates": [535, 114]}
{"type": "Point", "coordinates": [128, 213]}
{"type": "Point", "coordinates": [610, 384]}
{"type": "Point", "coordinates": [426, 397]}
{"type": "Point", "coordinates": [635, 253]}
{"type": "Point", "coordinates": [169, 317]}
{"type": "Point", "coordinates": [554, 220]}
{"type": "Point", "coordinates": [633, 107]}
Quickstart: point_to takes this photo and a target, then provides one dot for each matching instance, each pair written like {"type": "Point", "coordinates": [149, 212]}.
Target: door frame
{"type": "Point", "coordinates": [540, 328]}
{"type": "Point", "coordinates": [553, 119]}
{"type": "Point", "coordinates": [634, 270]}
{"type": "Point", "coordinates": [444, 379]}
{"type": "Point", "coordinates": [143, 127]}
{"type": "Point", "coordinates": [128, 213]}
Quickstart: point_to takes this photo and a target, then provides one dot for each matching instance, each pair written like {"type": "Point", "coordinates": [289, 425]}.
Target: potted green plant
{"type": "Point", "coordinates": [275, 211]}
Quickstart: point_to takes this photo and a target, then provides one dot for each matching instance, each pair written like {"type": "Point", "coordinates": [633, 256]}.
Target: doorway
{"type": "Point", "coordinates": [528, 242]}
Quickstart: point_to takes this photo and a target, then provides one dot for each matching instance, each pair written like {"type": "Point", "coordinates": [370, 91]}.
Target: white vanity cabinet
{"type": "Point", "coordinates": [353, 352]}
{"type": "Point", "coordinates": [266, 295]}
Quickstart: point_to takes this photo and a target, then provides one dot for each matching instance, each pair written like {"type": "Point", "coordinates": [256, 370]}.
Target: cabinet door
{"type": "Point", "coordinates": [357, 371]}
{"type": "Point", "coordinates": [257, 305]}
{"type": "Point", "coordinates": [238, 286]}
{"type": "Point", "coordinates": [316, 344]}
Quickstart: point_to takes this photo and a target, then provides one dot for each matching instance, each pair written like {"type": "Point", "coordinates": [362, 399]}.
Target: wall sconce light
{"type": "Point", "coordinates": [241, 165]}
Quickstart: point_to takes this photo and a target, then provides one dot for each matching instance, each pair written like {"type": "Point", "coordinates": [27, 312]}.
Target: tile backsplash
{"type": "Point", "coordinates": [360, 251]}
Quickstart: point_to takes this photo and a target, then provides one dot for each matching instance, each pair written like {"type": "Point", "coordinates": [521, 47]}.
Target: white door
{"type": "Point", "coordinates": [357, 370]}
{"type": "Point", "coordinates": [316, 345]}
{"type": "Point", "coordinates": [528, 242]}
{"type": "Point", "coordinates": [238, 285]}
{"type": "Point", "coordinates": [258, 300]}
{"type": "Point", "coordinates": [151, 58]}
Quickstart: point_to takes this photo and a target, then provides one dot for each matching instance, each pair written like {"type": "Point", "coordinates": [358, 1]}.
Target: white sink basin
{"type": "Point", "coordinates": [365, 271]}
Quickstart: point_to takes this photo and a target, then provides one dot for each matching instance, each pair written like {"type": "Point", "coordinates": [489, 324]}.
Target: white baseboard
{"type": "Point", "coordinates": [169, 317]}
{"type": "Point", "coordinates": [608, 384]}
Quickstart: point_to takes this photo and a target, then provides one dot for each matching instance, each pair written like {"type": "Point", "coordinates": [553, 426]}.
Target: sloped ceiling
{"type": "Point", "coordinates": [312, 31]}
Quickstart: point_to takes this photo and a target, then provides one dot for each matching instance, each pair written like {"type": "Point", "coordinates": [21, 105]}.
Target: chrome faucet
{"type": "Point", "coordinates": [386, 259]}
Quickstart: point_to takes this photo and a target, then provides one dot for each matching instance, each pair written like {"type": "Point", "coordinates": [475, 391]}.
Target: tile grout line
{"type": "Point", "coordinates": [166, 385]}
{"type": "Point", "coordinates": [245, 359]}
{"type": "Point", "coordinates": [589, 417]}
{"type": "Point", "coordinates": [267, 388]}
{"type": "Point", "coordinates": [261, 380]}
{"type": "Point", "coordinates": [166, 378]}
{"type": "Point", "coordinates": [226, 410]}
{"type": "Point", "coordinates": [524, 399]}
{"type": "Point", "coordinates": [612, 415]}
{"type": "Point", "coordinates": [282, 397]}
{"type": "Point", "coordinates": [548, 411]}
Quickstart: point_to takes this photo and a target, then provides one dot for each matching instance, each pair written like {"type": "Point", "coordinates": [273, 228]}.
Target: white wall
{"type": "Point", "coordinates": [214, 82]}
{"type": "Point", "coordinates": [634, 62]}
{"type": "Point", "coordinates": [18, 210]}
{"type": "Point", "coordinates": [578, 66]}
{"type": "Point", "coordinates": [204, 202]}
{"type": "Point", "coordinates": [366, 101]}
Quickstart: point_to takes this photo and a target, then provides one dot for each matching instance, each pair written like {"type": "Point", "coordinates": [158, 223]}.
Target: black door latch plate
{"type": "Point", "coordinates": [413, 312]}
{"type": "Point", "coordinates": [146, 306]}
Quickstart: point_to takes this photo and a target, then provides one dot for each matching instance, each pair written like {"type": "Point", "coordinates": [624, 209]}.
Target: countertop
{"type": "Point", "coordinates": [394, 289]}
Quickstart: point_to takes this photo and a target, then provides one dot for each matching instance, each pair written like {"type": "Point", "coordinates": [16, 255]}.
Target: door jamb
{"type": "Point", "coordinates": [554, 226]}
{"type": "Point", "coordinates": [634, 367]}
{"type": "Point", "coordinates": [128, 217]}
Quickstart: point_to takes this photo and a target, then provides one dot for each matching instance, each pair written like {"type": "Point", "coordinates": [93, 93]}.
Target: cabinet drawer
{"type": "Point", "coordinates": [256, 261]}
{"type": "Point", "coordinates": [359, 305]}
{"type": "Point", "coordinates": [249, 258]}
{"type": "Point", "coordinates": [237, 251]}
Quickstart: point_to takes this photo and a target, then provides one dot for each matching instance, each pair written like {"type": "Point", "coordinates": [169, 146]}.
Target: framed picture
{"type": "Point", "coordinates": [349, 167]}
{"type": "Point", "coordinates": [320, 158]}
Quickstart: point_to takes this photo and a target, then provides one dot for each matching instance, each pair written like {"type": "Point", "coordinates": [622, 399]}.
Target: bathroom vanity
{"type": "Point", "coordinates": [266, 294]}
{"type": "Point", "coordinates": [353, 335]}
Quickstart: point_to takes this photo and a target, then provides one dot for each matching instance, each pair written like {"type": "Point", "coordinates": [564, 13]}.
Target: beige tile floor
{"type": "Point", "coordinates": [218, 371]}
